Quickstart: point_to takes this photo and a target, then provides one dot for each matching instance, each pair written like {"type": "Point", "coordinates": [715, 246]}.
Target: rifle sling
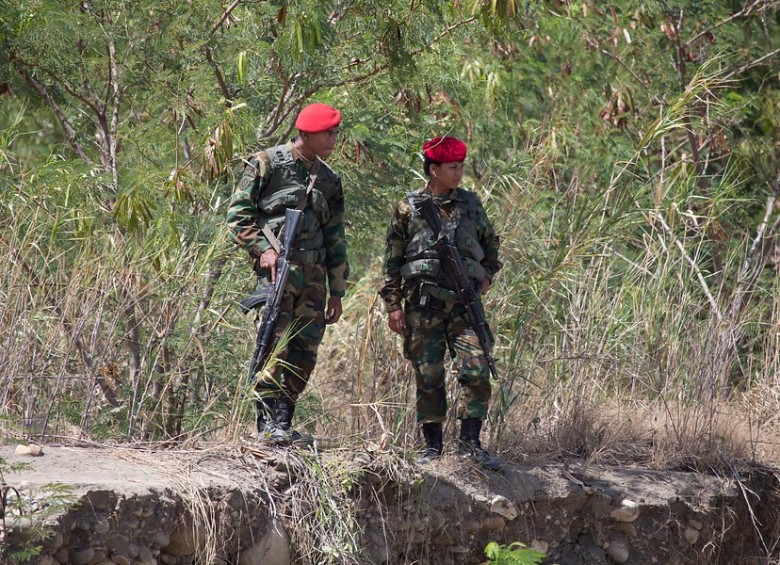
{"type": "Point", "coordinates": [269, 234]}
{"type": "Point", "coordinates": [430, 205]}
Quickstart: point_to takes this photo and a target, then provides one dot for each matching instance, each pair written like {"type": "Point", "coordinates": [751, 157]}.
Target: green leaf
{"type": "Point", "coordinates": [241, 66]}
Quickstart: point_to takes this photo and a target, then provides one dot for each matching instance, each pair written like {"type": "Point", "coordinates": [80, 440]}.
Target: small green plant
{"type": "Point", "coordinates": [515, 553]}
{"type": "Point", "coordinates": [14, 507]}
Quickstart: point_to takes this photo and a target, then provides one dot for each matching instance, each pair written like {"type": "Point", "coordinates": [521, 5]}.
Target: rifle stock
{"type": "Point", "coordinates": [452, 264]}
{"type": "Point", "coordinates": [271, 310]}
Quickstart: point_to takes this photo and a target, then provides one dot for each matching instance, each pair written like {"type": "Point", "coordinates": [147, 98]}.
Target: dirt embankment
{"type": "Point", "coordinates": [252, 504]}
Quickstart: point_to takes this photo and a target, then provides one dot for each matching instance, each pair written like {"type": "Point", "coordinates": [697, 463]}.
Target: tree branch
{"type": "Point", "coordinates": [294, 101]}
{"type": "Point", "coordinates": [743, 12]}
{"type": "Point", "coordinates": [220, 79]}
{"type": "Point", "coordinates": [70, 133]}
{"type": "Point", "coordinates": [751, 64]}
{"type": "Point", "coordinates": [225, 16]}
{"type": "Point", "coordinates": [116, 99]}
{"type": "Point", "coordinates": [281, 111]}
{"type": "Point", "coordinates": [622, 63]}
{"type": "Point", "coordinates": [96, 104]}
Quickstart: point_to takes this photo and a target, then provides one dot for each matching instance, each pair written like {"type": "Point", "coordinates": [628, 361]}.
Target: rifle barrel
{"type": "Point", "coordinates": [452, 263]}
{"type": "Point", "coordinates": [271, 309]}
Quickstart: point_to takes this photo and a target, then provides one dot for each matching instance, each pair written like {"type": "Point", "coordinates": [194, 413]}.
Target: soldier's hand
{"type": "Point", "coordinates": [484, 286]}
{"type": "Point", "coordinates": [268, 261]}
{"type": "Point", "coordinates": [333, 313]}
{"type": "Point", "coordinates": [397, 322]}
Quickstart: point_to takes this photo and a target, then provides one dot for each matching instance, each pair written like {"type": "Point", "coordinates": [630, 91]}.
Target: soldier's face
{"type": "Point", "coordinates": [322, 143]}
{"type": "Point", "coordinates": [448, 174]}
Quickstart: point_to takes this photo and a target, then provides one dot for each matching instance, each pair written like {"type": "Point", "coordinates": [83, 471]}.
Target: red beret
{"type": "Point", "coordinates": [317, 117]}
{"type": "Point", "coordinates": [445, 149]}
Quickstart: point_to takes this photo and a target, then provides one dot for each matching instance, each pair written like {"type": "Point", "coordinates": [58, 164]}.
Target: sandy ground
{"type": "Point", "coordinates": [134, 470]}
{"type": "Point", "coordinates": [122, 469]}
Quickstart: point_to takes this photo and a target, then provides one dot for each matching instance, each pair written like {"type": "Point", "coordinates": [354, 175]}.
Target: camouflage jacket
{"type": "Point", "coordinates": [324, 213]}
{"type": "Point", "coordinates": [406, 226]}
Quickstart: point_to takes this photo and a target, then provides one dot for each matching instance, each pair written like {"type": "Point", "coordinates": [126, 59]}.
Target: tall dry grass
{"type": "Point", "coordinates": [617, 338]}
{"type": "Point", "coordinates": [635, 324]}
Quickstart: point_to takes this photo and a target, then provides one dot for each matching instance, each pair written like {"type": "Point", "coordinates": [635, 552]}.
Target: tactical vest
{"type": "Point", "coordinates": [461, 227]}
{"type": "Point", "coordinates": [286, 188]}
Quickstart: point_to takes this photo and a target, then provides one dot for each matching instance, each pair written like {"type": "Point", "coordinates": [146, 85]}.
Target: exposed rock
{"type": "Point", "coordinates": [223, 508]}
{"type": "Point", "coordinates": [82, 557]}
{"type": "Point", "coordinates": [31, 450]}
{"type": "Point", "coordinates": [503, 507]}
{"type": "Point", "coordinates": [691, 535]}
{"type": "Point", "coordinates": [494, 524]}
{"type": "Point", "coordinates": [628, 511]}
{"type": "Point", "coordinates": [617, 551]}
{"type": "Point", "coordinates": [185, 539]}
{"type": "Point", "coordinates": [272, 549]}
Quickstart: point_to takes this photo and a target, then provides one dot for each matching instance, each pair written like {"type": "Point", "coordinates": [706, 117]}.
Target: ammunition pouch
{"type": "Point", "coordinates": [437, 298]}
{"type": "Point", "coordinates": [431, 269]}
{"type": "Point", "coordinates": [474, 271]}
{"type": "Point", "coordinates": [425, 267]}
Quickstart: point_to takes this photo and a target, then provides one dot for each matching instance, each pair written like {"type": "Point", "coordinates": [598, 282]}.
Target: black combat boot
{"type": "Point", "coordinates": [283, 433]}
{"type": "Point", "coordinates": [470, 429]}
{"type": "Point", "coordinates": [265, 408]}
{"type": "Point", "coordinates": [282, 421]}
{"type": "Point", "coordinates": [433, 443]}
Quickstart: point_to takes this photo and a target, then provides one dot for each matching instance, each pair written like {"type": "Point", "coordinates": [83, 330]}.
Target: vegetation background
{"type": "Point", "coordinates": [627, 152]}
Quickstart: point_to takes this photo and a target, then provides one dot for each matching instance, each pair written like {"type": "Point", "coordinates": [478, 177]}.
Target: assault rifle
{"type": "Point", "coordinates": [452, 264]}
{"type": "Point", "coordinates": [275, 292]}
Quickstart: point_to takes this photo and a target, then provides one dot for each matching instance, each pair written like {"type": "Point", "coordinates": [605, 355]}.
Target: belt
{"type": "Point", "coordinates": [307, 256]}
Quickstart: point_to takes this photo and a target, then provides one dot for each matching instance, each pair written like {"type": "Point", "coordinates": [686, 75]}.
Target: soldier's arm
{"type": "Point", "coordinates": [243, 216]}
{"type": "Point", "coordinates": [335, 242]}
{"type": "Point", "coordinates": [490, 243]}
{"type": "Point", "coordinates": [397, 236]}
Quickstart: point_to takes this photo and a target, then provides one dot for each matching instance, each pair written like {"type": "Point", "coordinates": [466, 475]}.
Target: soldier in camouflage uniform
{"type": "Point", "coordinates": [274, 180]}
{"type": "Point", "coordinates": [423, 308]}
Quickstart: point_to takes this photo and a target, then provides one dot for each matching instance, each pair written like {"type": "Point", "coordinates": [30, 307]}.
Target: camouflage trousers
{"type": "Point", "coordinates": [430, 333]}
{"type": "Point", "coordinates": [297, 335]}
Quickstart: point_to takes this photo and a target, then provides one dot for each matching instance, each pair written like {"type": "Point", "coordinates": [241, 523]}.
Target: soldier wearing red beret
{"type": "Point", "coordinates": [441, 150]}
{"type": "Point", "coordinates": [294, 175]}
{"type": "Point", "coordinates": [423, 306]}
